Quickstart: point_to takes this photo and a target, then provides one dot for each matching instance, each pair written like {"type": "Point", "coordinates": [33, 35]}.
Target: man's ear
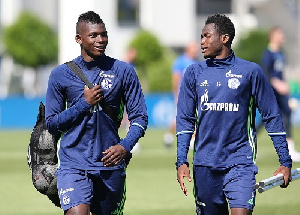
{"type": "Point", "coordinates": [78, 39]}
{"type": "Point", "coordinates": [225, 38]}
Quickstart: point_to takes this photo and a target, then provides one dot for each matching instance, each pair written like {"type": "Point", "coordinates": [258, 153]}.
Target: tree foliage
{"type": "Point", "coordinates": [30, 41]}
{"type": "Point", "coordinates": [159, 75]}
{"type": "Point", "coordinates": [252, 45]}
{"type": "Point", "coordinates": [148, 48]}
{"type": "Point", "coordinates": [153, 62]}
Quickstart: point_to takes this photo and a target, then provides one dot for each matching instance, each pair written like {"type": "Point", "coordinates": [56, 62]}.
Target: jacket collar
{"type": "Point", "coordinates": [225, 62]}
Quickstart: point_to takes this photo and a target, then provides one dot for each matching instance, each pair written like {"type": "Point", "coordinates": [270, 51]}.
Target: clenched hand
{"type": "Point", "coordinates": [286, 175]}
{"type": "Point", "coordinates": [94, 95]}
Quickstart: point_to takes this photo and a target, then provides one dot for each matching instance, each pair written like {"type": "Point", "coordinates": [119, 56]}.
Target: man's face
{"type": "Point", "coordinates": [211, 44]}
{"type": "Point", "coordinates": [278, 37]}
{"type": "Point", "coordinates": [93, 40]}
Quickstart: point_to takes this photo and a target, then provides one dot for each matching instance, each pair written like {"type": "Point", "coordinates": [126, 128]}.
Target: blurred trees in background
{"type": "Point", "coordinates": [252, 45]}
{"type": "Point", "coordinates": [153, 62]}
{"type": "Point", "coordinates": [31, 42]}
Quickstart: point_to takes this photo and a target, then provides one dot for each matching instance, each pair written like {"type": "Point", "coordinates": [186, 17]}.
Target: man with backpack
{"type": "Point", "coordinates": [92, 157]}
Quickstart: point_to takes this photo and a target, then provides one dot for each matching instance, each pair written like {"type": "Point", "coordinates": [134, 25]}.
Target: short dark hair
{"type": "Point", "coordinates": [88, 17]}
{"type": "Point", "coordinates": [223, 25]}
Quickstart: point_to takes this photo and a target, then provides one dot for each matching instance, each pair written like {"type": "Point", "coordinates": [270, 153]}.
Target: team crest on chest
{"type": "Point", "coordinates": [106, 83]}
{"type": "Point", "coordinates": [233, 83]}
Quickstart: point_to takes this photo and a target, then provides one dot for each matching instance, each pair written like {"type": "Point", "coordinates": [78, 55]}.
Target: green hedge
{"type": "Point", "coordinates": [251, 45]}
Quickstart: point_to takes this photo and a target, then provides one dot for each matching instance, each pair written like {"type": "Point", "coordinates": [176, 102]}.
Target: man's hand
{"type": "Point", "coordinates": [287, 177]}
{"type": "Point", "coordinates": [114, 155]}
{"type": "Point", "coordinates": [183, 171]}
{"type": "Point", "coordinates": [94, 95]}
{"type": "Point", "coordinates": [281, 86]}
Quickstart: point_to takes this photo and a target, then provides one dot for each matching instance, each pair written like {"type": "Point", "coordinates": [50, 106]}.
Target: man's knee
{"type": "Point", "coordinates": [240, 211]}
{"type": "Point", "coordinates": [82, 209]}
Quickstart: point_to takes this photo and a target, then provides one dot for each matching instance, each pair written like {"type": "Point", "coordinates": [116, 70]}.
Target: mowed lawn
{"type": "Point", "coordinates": [152, 187]}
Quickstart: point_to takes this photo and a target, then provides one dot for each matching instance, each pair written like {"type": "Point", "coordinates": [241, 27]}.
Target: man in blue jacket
{"type": "Point", "coordinates": [274, 65]}
{"type": "Point", "coordinates": [220, 96]}
{"type": "Point", "coordinates": [188, 57]}
{"type": "Point", "coordinates": [91, 174]}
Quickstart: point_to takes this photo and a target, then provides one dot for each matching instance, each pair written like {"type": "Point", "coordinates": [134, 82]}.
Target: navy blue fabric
{"type": "Point", "coordinates": [220, 96]}
{"type": "Point", "coordinates": [103, 190]}
{"type": "Point", "coordinates": [274, 63]}
{"type": "Point", "coordinates": [216, 188]}
{"type": "Point", "coordinates": [88, 131]}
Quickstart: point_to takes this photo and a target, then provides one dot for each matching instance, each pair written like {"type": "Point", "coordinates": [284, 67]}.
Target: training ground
{"type": "Point", "coordinates": [152, 188]}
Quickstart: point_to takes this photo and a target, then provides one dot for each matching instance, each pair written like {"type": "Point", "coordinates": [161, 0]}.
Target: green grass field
{"type": "Point", "coordinates": [152, 187]}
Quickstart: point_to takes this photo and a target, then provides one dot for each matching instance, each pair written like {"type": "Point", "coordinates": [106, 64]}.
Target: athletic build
{"type": "Point", "coordinates": [91, 176]}
{"type": "Point", "coordinates": [220, 95]}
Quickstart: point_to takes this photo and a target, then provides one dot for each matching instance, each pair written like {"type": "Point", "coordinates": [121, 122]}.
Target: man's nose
{"type": "Point", "coordinates": [99, 38]}
{"type": "Point", "coordinates": [202, 41]}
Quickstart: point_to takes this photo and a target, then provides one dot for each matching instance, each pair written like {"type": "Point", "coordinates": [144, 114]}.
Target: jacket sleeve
{"type": "Point", "coordinates": [58, 118]}
{"type": "Point", "coordinates": [136, 109]}
{"type": "Point", "coordinates": [186, 115]}
{"type": "Point", "coordinates": [267, 65]}
{"type": "Point", "coordinates": [270, 112]}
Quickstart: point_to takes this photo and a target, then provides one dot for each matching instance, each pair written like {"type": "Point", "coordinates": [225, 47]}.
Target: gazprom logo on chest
{"type": "Point", "coordinates": [216, 106]}
{"type": "Point", "coordinates": [231, 75]}
{"type": "Point", "coordinates": [102, 74]}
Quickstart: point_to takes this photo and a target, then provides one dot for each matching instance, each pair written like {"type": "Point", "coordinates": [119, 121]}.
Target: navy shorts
{"type": "Point", "coordinates": [215, 189]}
{"type": "Point", "coordinates": [103, 190]}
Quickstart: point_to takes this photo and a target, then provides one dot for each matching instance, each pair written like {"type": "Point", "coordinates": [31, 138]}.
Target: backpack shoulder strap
{"type": "Point", "coordinates": [76, 69]}
{"type": "Point", "coordinates": [106, 108]}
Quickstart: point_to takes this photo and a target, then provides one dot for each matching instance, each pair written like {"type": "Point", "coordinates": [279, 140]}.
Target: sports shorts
{"type": "Point", "coordinates": [103, 190]}
{"type": "Point", "coordinates": [216, 188]}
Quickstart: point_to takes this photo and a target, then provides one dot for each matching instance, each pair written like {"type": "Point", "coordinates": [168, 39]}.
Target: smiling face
{"type": "Point", "coordinates": [93, 40]}
{"type": "Point", "coordinates": [213, 45]}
